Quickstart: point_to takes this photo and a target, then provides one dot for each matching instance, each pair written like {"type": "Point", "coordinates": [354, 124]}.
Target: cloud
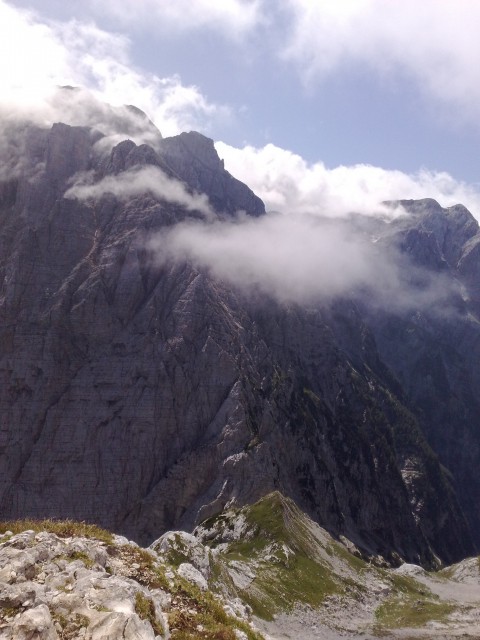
{"type": "Point", "coordinates": [138, 181]}
{"type": "Point", "coordinates": [230, 17]}
{"type": "Point", "coordinates": [302, 259]}
{"type": "Point", "coordinates": [287, 183]}
{"type": "Point", "coordinates": [37, 55]}
{"type": "Point", "coordinates": [295, 255]}
{"type": "Point", "coordinates": [433, 42]}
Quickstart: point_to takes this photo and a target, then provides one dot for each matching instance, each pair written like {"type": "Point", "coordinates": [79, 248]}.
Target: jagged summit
{"type": "Point", "coordinates": [193, 158]}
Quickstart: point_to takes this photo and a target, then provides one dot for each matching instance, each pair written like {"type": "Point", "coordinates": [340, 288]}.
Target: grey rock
{"type": "Point", "coordinates": [193, 575]}
{"type": "Point", "coordinates": [34, 623]}
{"type": "Point", "coordinates": [87, 601]}
{"type": "Point", "coordinates": [187, 545]}
{"type": "Point", "coordinates": [193, 158]}
{"type": "Point", "coordinates": [118, 625]}
{"type": "Point", "coordinates": [82, 595]}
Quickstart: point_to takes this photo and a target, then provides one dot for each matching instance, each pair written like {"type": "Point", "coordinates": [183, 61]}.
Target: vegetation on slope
{"type": "Point", "coordinates": [274, 559]}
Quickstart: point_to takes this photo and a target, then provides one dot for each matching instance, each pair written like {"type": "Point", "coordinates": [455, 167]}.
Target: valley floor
{"type": "Point", "coordinates": [457, 589]}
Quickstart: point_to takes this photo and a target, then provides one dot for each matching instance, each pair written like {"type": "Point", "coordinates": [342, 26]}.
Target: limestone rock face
{"type": "Point", "coordinates": [193, 158]}
{"type": "Point", "coordinates": [147, 397]}
{"type": "Point", "coordinates": [83, 587]}
{"type": "Point", "coordinates": [52, 587]}
{"type": "Point", "coordinates": [434, 356]}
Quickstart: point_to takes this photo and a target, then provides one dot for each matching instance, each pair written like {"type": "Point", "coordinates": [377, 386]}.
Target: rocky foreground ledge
{"type": "Point", "coordinates": [84, 583]}
{"type": "Point", "coordinates": [261, 572]}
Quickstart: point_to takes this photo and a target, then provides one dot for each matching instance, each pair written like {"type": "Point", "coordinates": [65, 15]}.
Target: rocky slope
{"type": "Point", "coordinates": [147, 396]}
{"type": "Point", "coordinates": [266, 566]}
{"type": "Point", "coordinates": [96, 586]}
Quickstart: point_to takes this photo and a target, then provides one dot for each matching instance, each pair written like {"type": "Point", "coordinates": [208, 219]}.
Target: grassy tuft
{"type": "Point", "coordinates": [145, 609]}
{"type": "Point", "coordinates": [198, 615]}
{"type": "Point", "coordinates": [61, 528]}
{"type": "Point", "coordinates": [78, 555]}
{"type": "Point", "coordinates": [397, 613]}
{"type": "Point", "coordinates": [8, 612]}
{"type": "Point", "coordinates": [71, 625]}
{"type": "Point", "coordinates": [142, 566]}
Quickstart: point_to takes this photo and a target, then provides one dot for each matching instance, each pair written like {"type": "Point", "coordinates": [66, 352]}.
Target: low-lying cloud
{"type": "Point", "coordinates": [300, 258]}
{"type": "Point", "coordinates": [138, 181]}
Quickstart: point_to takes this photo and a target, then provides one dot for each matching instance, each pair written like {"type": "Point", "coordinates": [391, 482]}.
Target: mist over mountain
{"type": "Point", "coordinates": [168, 348]}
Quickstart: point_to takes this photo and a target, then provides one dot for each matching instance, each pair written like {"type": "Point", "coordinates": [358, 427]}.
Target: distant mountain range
{"type": "Point", "coordinates": [147, 393]}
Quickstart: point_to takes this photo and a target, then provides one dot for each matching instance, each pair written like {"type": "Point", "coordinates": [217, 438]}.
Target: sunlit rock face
{"type": "Point", "coordinates": [145, 394]}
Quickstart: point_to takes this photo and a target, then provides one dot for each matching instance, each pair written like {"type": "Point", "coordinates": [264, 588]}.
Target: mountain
{"type": "Point", "coordinates": [148, 394]}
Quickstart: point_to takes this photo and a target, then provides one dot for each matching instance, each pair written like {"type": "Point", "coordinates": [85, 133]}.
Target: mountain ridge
{"type": "Point", "coordinates": [148, 396]}
{"type": "Point", "coordinates": [261, 572]}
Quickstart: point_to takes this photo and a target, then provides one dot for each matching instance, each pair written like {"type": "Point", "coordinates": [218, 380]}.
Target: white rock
{"type": "Point", "coordinates": [6, 573]}
{"type": "Point", "coordinates": [413, 570]}
{"type": "Point", "coordinates": [190, 573]}
{"type": "Point", "coordinates": [198, 554]}
{"type": "Point", "coordinates": [35, 623]}
{"type": "Point", "coordinates": [241, 574]}
{"type": "Point", "coordinates": [117, 625]}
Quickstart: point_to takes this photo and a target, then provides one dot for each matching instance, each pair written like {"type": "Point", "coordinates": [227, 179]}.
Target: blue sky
{"type": "Point", "coordinates": [343, 102]}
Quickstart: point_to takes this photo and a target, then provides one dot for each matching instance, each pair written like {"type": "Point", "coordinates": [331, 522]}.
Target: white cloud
{"type": "Point", "coordinates": [230, 17]}
{"type": "Point", "coordinates": [292, 258]}
{"type": "Point", "coordinates": [434, 42]}
{"type": "Point", "coordinates": [31, 57]}
{"type": "Point", "coordinates": [287, 183]}
{"type": "Point", "coordinates": [302, 259]}
{"type": "Point", "coordinates": [138, 181]}
{"type": "Point", "coordinates": [37, 55]}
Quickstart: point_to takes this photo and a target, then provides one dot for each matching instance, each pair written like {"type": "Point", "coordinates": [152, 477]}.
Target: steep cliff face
{"type": "Point", "coordinates": [434, 354]}
{"type": "Point", "coordinates": [147, 396]}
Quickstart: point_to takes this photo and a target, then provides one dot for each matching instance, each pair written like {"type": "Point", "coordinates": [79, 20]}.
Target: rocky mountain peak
{"type": "Point", "coordinates": [192, 146]}
{"type": "Point", "coordinates": [193, 158]}
{"type": "Point", "coordinates": [127, 155]}
{"type": "Point", "coordinates": [434, 236]}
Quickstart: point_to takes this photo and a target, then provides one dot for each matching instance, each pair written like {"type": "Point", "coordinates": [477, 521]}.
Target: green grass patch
{"type": "Point", "coordinates": [445, 574]}
{"type": "Point", "coordinates": [178, 553]}
{"type": "Point", "coordinates": [145, 609]}
{"type": "Point", "coordinates": [411, 605]}
{"type": "Point", "coordinates": [408, 586]}
{"type": "Point", "coordinates": [399, 612]}
{"type": "Point", "coordinates": [279, 587]}
{"type": "Point", "coordinates": [142, 566]}
{"type": "Point", "coordinates": [77, 555]}
{"type": "Point", "coordinates": [283, 554]}
{"type": "Point", "coordinates": [197, 614]}
{"type": "Point", "coordinates": [61, 528]}
{"type": "Point", "coordinates": [355, 563]}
